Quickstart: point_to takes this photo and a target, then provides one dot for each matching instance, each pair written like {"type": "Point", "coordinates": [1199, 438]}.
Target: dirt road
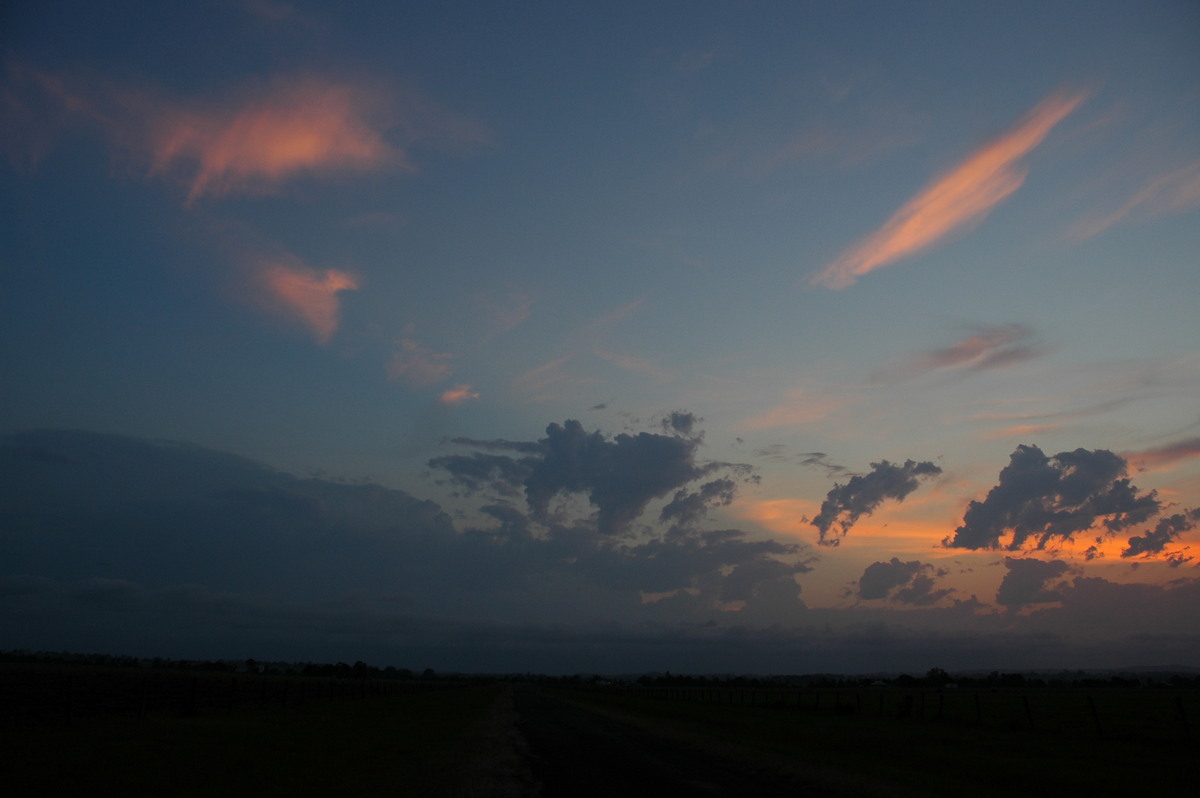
{"type": "Point", "coordinates": [574, 752]}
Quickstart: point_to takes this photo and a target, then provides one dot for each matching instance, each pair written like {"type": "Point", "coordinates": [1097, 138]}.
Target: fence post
{"type": "Point", "coordinates": [70, 699]}
{"type": "Point", "coordinates": [1095, 715]}
{"type": "Point", "coordinates": [1187, 732]}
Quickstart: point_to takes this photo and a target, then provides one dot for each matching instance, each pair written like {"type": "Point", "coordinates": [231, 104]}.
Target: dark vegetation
{"type": "Point", "coordinates": [155, 726]}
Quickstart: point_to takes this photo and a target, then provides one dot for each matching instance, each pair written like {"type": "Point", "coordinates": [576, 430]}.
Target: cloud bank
{"type": "Point", "coordinates": [182, 551]}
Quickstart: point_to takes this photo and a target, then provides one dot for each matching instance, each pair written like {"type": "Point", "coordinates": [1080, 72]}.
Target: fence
{"type": "Point", "coordinates": [64, 695]}
{"type": "Point", "coordinates": [1154, 714]}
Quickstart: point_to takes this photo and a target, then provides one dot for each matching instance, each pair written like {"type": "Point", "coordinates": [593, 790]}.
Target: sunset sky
{"type": "Point", "coordinates": [690, 336]}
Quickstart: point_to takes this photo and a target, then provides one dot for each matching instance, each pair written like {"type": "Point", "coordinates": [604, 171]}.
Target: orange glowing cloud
{"type": "Point", "coordinates": [308, 295]}
{"type": "Point", "coordinates": [457, 395]}
{"type": "Point", "coordinates": [963, 196]}
{"type": "Point", "coordinates": [247, 141]}
{"type": "Point", "coordinates": [249, 146]}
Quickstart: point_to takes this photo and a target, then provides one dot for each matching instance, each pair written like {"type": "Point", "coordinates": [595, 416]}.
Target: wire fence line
{"type": "Point", "coordinates": [1154, 714]}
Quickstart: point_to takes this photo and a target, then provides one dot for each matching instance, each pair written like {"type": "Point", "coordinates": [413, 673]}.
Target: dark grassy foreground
{"type": "Point", "coordinates": [855, 751]}
{"type": "Point", "coordinates": [419, 744]}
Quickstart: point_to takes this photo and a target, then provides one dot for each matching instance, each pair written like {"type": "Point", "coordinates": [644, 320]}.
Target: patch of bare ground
{"type": "Point", "coordinates": [498, 764]}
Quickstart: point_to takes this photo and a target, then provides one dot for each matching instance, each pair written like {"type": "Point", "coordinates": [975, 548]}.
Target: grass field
{"type": "Point", "coordinates": [856, 750]}
{"type": "Point", "coordinates": [420, 744]}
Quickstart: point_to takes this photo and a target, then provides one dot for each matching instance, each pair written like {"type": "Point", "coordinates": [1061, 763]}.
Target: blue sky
{"type": "Point", "coordinates": [838, 283]}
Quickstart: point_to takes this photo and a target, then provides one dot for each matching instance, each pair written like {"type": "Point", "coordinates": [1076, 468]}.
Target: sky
{"type": "Point", "coordinates": [771, 337]}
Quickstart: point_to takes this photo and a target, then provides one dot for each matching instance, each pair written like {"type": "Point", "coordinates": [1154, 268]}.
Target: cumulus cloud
{"type": "Point", "coordinates": [619, 476]}
{"type": "Point", "coordinates": [1164, 533]}
{"type": "Point", "coordinates": [688, 507]}
{"type": "Point", "coordinates": [962, 197]}
{"type": "Point", "coordinates": [911, 582]}
{"type": "Point", "coordinates": [1025, 582]}
{"type": "Point", "coordinates": [1042, 498]}
{"type": "Point", "coordinates": [845, 504]}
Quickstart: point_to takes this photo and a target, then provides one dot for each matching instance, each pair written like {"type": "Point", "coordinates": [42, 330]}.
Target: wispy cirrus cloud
{"type": "Point", "coordinates": [1170, 192]}
{"type": "Point", "coordinates": [801, 407]}
{"type": "Point", "coordinates": [963, 196]}
{"type": "Point", "coordinates": [1166, 455]}
{"type": "Point", "coordinates": [309, 295]}
{"type": "Point", "coordinates": [991, 346]}
{"type": "Point", "coordinates": [418, 365]}
{"type": "Point", "coordinates": [632, 363]}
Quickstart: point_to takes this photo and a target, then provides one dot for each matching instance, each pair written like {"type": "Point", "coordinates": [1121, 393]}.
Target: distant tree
{"type": "Point", "coordinates": [936, 677]}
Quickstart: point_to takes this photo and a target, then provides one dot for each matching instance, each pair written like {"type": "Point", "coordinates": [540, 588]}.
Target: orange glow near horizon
{"type": "Point", "coordinates": [963, 196]}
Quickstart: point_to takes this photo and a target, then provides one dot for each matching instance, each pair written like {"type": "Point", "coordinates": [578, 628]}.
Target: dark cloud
{"type": "Point", "coordinates": [680, 422]}
{"type": "Point", "coordinates": [1167, 530]}
{"type": "Point", "coordinates": [1044, 498]}
{"type": "Point", "coordinates": [122, 546]}
{"type": "Point", "coordinates": [619, 476]}
{"type": "Point", "coordinates": [911, 582]}
{"type": "Point", "coordinates": [478, 471]}
{"type": "Point", "coordinates": [689, 507]}
{"type": "Point", "coordinates": [1025, 582]}
{"type": "Point", "coordinates": [845, 504]}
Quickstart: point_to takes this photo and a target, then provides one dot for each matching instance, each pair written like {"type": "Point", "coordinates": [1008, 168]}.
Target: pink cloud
{"type": "Point", "coordinates": [419, 366]}
{"type": "Point", "coordinates": [249, 140]}
{"type": "Point", "coordinates": [309, 295]}
{"type": "Point", "coordinates": [992, 346]}
{"type": "Point", "coordinates": [963, 196]}
{"type": "Point", "coordinates": [457, 395]}
{"type": "Point", "coordinates": [250, 145]}
{"type": "Point", "coordinates": [1166, 455]}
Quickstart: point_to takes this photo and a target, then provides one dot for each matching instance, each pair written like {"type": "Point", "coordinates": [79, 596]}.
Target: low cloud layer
{"type": "Point", "coordinates": [911, 582]}
{"type": "Point", "coordinates": [1026, 582]}
{"type": "Point", "coordinates": [1042, 499]}
{"type": "Point", "coordinates": [846, 504]}
{"type": "Point", "coordinates": [176, 550]}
